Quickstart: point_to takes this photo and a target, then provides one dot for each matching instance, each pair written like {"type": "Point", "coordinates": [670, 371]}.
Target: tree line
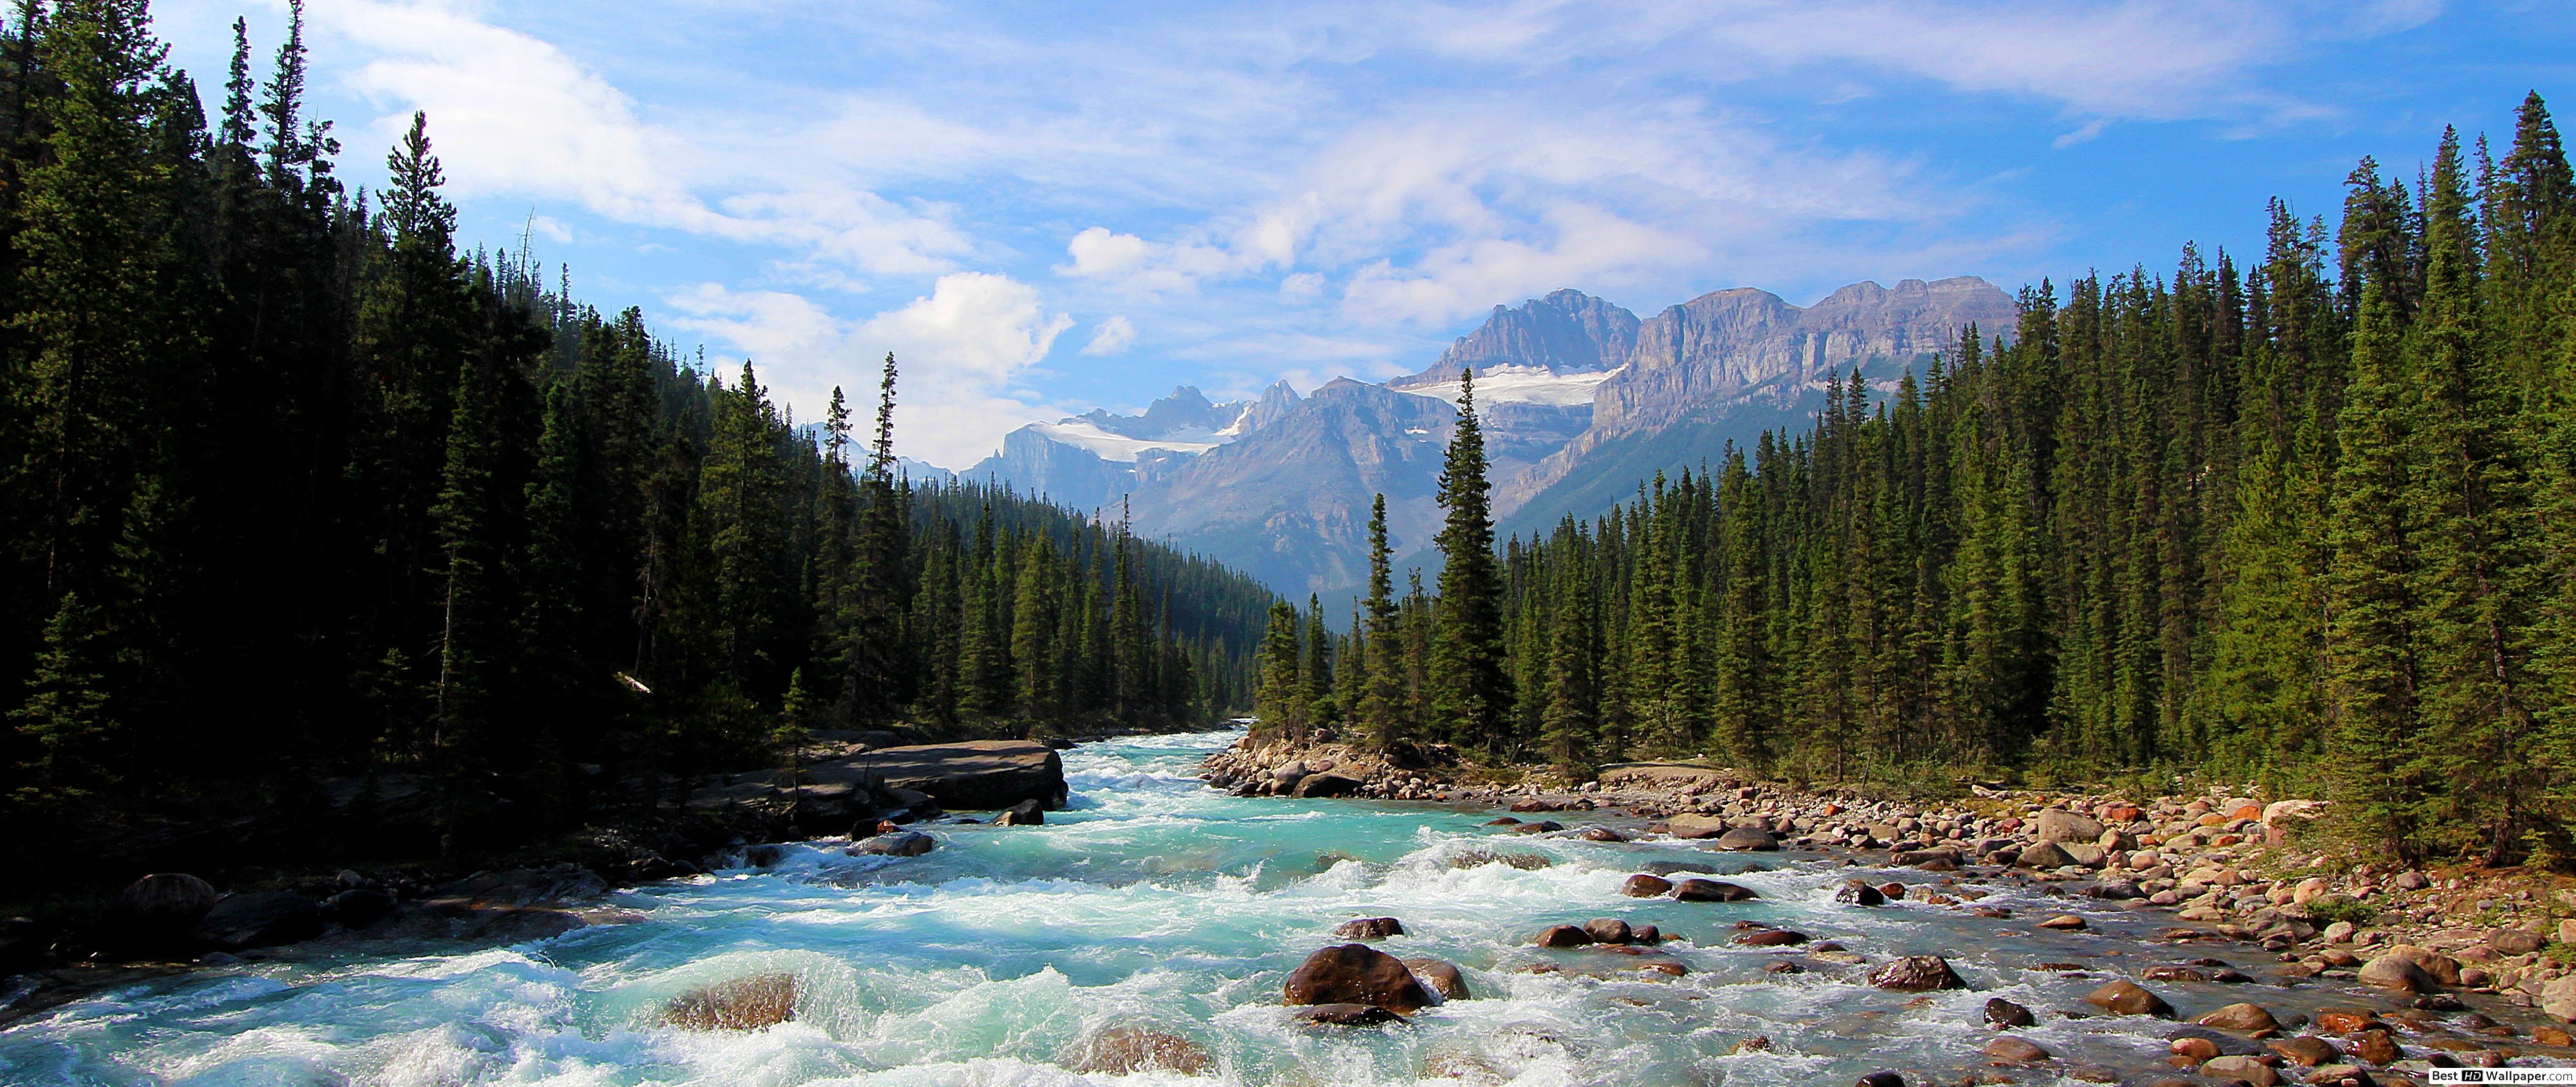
{"type": "Point", "coordinates": [2310, 520]}
{"type": "Point", "coordinates": [294, 491]}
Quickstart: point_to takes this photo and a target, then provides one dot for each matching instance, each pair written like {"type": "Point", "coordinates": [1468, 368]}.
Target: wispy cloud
{"type": "Point", "coordinates": [1305, 188]}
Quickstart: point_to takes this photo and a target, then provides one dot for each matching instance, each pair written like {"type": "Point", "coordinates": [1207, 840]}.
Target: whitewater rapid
{"type": "Point", "coordinates": [1152, 900]}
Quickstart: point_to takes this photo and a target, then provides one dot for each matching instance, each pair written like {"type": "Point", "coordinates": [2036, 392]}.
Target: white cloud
{"type": "Point", "coordinates": [964, 351]}
{"type": "Point", "coordinates": [512, 114]}
{"type": "Point", "coordinates": [1115, 336]}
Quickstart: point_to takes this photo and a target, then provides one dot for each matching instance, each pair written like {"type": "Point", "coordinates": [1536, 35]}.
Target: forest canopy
{"type": "Point", "coordinates": [2309, 519]}
{"type": "Point", "coordinates": [296, 494]}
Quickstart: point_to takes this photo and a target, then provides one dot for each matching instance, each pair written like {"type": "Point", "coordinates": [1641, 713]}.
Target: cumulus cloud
{"type": "Point", "coordinates": [965, 350]}
{"type": "Point", "coordinates": [1114, 336]}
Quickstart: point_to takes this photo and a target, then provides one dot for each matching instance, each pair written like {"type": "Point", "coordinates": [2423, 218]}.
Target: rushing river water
{"type": "Point", "coordinates": [1153, 900]}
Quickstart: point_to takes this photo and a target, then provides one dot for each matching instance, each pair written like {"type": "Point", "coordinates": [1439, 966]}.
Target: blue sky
{"type": "Point", "coordinates": [1048, 207]}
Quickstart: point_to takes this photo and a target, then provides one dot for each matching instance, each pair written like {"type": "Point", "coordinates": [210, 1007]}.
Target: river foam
{"type": "Point", "coordinates": [1151, 900]}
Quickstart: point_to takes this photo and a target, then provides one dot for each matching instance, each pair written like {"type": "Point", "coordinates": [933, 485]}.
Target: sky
{"type": "Point", "coordinates": [1042, 208]}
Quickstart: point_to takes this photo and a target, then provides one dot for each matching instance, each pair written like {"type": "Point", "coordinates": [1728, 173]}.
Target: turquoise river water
{"type": "Point", "coordinates": [1153, 900]}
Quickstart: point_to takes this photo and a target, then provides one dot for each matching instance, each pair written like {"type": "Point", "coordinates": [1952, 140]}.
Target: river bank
{"type": "Point", "coordinates": [2237, 868]}
{"type": "Point", "coordinates": [1156, 925]}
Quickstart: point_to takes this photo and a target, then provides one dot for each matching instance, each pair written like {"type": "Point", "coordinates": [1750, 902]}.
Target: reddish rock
{"type": "Point", "coordinates": [1356, 974]}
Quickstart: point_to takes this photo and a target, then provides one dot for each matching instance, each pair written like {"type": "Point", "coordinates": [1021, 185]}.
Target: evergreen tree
{"type": "Point", "coordinates": [1470, 693]}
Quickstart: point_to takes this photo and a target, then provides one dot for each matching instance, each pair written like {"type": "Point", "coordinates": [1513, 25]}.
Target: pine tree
{"type": "Point", "coordinates": [1315, 669]}
{"type": "Point", "coordinates": [1280, 700]}
{"type": "Point", "coordinates": [1385, 709]}
{"type": "Point", "coordinates": [1470, 692]}
{"type": "Point", "coordinates": [2373, 675]}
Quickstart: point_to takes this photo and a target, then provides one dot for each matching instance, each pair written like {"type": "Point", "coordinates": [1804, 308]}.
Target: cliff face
{"type": "Point", "coordinates": [1747, 355]}
{"type": "Point", "coordinates": [1566, 332]}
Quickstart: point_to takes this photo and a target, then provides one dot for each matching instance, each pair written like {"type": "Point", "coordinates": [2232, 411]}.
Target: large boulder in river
{"type": "Point", "coordinates": [761, 1000]}
{"type": "Point", "coordinates": [260, 919]}
{"type": "Point", "coordinates": [1326, 785]}
{"type": "Point", "coordinates": [2060, 825]}
{"type": "Point", "coordinates": [1749, 839]}
{"type": "Point", "coordinates": [158, 913]}
{"type": "Point", "coordinates": [1356, 974]}
{"type": "Point", "coordinates": [2128, 998]}
{"type": "Point", "coordinates": [1369, 928]}
{"type": "Point", "coordinates": [901, 843]}
{"type": "Point", "coordinates": [1026, 813]}
{"type": "Point", "coordinates": [1917, 973]}
{"type": "Point", "coordinates": [515, 904]}
{"type": "Point", "coordinates": [974, 775]}
{"type": "Point", "coordinates": [1126, 1050]}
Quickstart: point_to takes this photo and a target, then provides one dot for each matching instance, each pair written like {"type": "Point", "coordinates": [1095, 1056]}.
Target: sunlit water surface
{"type": "Point", "coordinates": [1155, 901]}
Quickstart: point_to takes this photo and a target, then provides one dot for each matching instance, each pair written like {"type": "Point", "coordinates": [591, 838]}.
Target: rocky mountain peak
{"type": "Point", "coordinates": [1567, 331]}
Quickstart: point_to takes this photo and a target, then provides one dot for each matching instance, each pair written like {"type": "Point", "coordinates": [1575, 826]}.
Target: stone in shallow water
{"type": "Point", "coordinates": [1356, 974]}
{"type": "Point", "coordinates": [2127, 998]}
{"type": "Point", "coordinates": [2241, 1017]}
{"type": "Point", "coordinates": [2004, 1013]}
{"type": "Point", "coordinates": [761, 1000]}
{"type": "Point", "coordinates": [1748, 839]}
{"type": "Point", "coordinates": [1370, 928]}
{"type": "Point", "coordinates": [2015, 1051]}
{"type": "Point", "coordinates": [1711, 890]}
{"type": "Point", "coordinates": [1125, 1050]}
{"type": "Point", "coordinates": [1642, 886]}
{"type": "Point", "coordinates": [1440, 977]}
{"type": "Point", "coordinates": [1917, 973]}
{"type": "Point", "coordinates": [1346, 1015]}
{"type": "Point", "coordinates": [1562, 936]}
{"type": "Point", "coordinates": [1858, 892]}
{"type": "Point", "coordinates": [902, 843]}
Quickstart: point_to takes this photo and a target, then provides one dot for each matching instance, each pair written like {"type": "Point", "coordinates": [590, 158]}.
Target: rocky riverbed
{"type": "Point", "coordinates": [1156, 927]}
{"type": "Point", "coordinates": [2236, 869]}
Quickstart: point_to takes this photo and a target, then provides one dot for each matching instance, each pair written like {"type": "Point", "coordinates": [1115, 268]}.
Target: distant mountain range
{"type": "Point", "coordinates": [1581, 401]}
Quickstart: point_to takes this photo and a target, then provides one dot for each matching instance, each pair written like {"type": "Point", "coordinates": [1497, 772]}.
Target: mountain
{"type": "Point", "coordinates": [1581, 401]}
{"type": "Point", "coordinates": [1727, 366]}
{"type": "Point", "coordinates": [1091, 461]}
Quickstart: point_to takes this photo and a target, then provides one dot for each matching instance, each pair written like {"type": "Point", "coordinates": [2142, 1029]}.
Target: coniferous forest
{"type": "Point", "coordinates": [2308, 518]}
{"type": "Point", "coordinates": [294, 492]}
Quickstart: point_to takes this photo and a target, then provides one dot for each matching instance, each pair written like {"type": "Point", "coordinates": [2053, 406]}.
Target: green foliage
{"type": "Point", "coordinates": [293, 490]}
{"type": "Point", "coordinates": [2328, 909]}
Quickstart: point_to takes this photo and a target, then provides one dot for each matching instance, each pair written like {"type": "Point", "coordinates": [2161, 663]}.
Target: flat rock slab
{"type": "Point", "coordinates": [976, 775]}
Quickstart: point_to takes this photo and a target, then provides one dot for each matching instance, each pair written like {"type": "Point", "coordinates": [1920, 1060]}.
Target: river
{"type": "Point", "coordinates": [1151, 900]}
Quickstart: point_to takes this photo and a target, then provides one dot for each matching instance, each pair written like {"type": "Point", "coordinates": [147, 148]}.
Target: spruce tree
{"type": "Point", "coordinates": [1470, 693]}
{"type": "Point", "coordinates": [1385, 716]}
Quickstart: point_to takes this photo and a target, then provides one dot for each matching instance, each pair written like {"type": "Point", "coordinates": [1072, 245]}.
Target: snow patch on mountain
{"type": "Point", "coordinates": [1517, 384]}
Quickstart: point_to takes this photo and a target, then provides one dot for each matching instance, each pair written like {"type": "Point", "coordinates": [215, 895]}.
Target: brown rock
{"type": "Point", "coordinates": [1562, 936]}
{"type": "Point", "coordinates": [1881, 1079]}
{"type": "Point", "coordinates": [2515, 941]}
{"type": "Point", "coordinates": [2064, 922]}
{"type": "Point", "coordinates": [1026, 813]}
{"type": "Point", "coordinates": [2551, 1036]}
{"type": "Point", "coordinates": [2341, 1075]}
{"type": "Point", "coordinates": [750, 1003]}
{"type": "Point", "coordinates": [2004, 1013]}
{"type": "Point", "coordinates": [1607, 930]}
{"type": "Point", "coordinates": [1777, 937]}
{"type": "Point", "coordinates": [1346, 1015]}
{"type": "Point", "coordinates": [2126, 998]}
{"type": "Point", "coordinates": [1126, 1050]}
{"type": "Point", "coordinates": [2014, 1051]}
{"type": "Point", "coordinates": [1748, 839]}
{"type": "Point", "coordinates": [1356, 974]}
{"type": "Point", "coordinates": [2377, 1047]}
{"type": "Point", "coordinates": [1645, 886]}
{"type": "Point", "coordinates": [2397, 972]}
{"type": "Point", "coordinates": [2246, 1018]}
{"type": "Point", "coordinates": [1695, 826]}
{"type": "Point", "coordinates": [1711, 890]}
{"type": "Point", "coordinates": [2240, 1069]}
{"type": "Point", "coordinates": [1440, 977]}
{"type": "Point", "coordinates": [1858, 892]}
{"type": "Point", "coordinates": [2306, 1051]}
{"type": "Point", "coordinates": [2345, 1020]}
{"type": "Point", "coordinates": [1917, 973]}
{"type": "Point", "coordinates": [1370, 928]}
{"type": "Point", "coordinates": [2197, 1049]}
